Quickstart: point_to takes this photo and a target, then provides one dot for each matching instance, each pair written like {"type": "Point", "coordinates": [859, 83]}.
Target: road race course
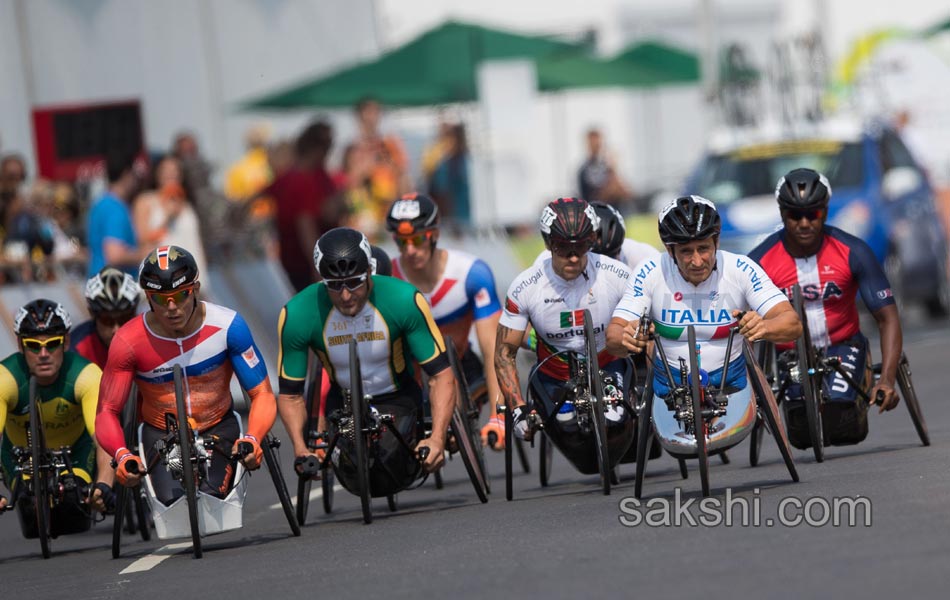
{"type": "Point", "coordinates": [567, 540]}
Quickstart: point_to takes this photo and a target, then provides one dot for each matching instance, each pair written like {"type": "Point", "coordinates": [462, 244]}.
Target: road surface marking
{"type": "Point", "coordinates": [314, 494]}
{"type": "Point", "coordinates": [155, 558]}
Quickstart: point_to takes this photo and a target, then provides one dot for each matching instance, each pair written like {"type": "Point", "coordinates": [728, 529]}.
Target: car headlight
{"type": "Point", "coordinates": [855, 218]}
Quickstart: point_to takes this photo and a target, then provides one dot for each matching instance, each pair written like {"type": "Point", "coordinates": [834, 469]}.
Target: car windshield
{"type": "Point", "coordinates": [755, 170]}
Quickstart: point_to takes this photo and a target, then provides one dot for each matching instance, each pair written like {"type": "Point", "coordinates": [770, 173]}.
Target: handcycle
{"type": "Point", "coordinates": [361, 427]}
{"type": "Point", "coordinates": [186, 454]}
{"type": "Point", "coordinates": [697, 419]}
{"type": "Point", "coordinates": [585, 388]}
{"type": "Point", "coordinates": [316, 440]}
{"type": "Point", "coordinates": [138, 520]}
{"type": "Point", "coordinates": [45, 478]}
{"type": "Point", "coordinates": [808, 367]}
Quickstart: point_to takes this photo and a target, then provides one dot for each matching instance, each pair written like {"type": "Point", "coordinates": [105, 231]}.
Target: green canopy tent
{"type": "Point", "coordinates": [438, 67]}
{"type": "Point", "coordinates": [564, 73]}
{"type": "Point", "coordinates": [669, 64]}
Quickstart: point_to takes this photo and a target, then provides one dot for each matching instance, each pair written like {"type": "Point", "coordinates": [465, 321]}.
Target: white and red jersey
{"type": "Point", "coordinates": [555, 307]}
{"type": "Point", "coordinates": [830, 282]}
{"type": "Point", "coordinates": [222, 346]}
{"type": "Point", "coordinates": [657, 288]}
{"type": "Point", "coordinates": [465, 294]}
{"type": "Point", "coordinates": [632, 253]}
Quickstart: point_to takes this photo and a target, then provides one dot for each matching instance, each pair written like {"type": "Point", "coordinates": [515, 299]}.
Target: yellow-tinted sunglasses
{"type": "Point", "coordinates": [178, 296]}
{"type": "Point", "coordinates": [52, 344]}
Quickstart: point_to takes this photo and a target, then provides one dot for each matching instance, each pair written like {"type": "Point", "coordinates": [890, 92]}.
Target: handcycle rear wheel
{"type": "Point", "coordinates": [768, 409]}
{"type": "Point", "coordinates": [139, 520]}
{"type": "Point", "coordinates": [40, 475]}
{"type": "Point", "coordinates": [906, 385]}
{"type": "Point", "coordinates": [509, 436]}
{"type": "Point", "coordinates": [358, 410]}
{"type": "Point", "coordinates": [311, 395]}
{"type": "Point", "coordinates": [268, 445]}
{"type": "Point", "coordinates": [327, 483]}
{"type": "Point", "coordinates": [596, 390]}
{"type": "Point", "coordinates": [755, 441]}
{"type": "Point", "coordinates": [699, 423]}
{"type": "Point", "coordinates": [807, 363]}
{"type": "Point", "coordinates": [468, 442]}
{"type": "Point", "coordinates": [644, 431]}
{"type": "Point", "coordinates": [185, 440]}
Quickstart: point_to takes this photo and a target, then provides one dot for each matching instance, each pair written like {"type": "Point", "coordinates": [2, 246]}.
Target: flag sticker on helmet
{"type": "Point", "coordinates": [406, 209]}
{"type": "Point", "coordinates": [250, 357]}
{"type": "Point", "coordinates": [162, 255]}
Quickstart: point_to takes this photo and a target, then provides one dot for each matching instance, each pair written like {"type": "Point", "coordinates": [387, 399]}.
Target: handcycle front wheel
{"type": "Point", "coordinates": [186, 446]}
{"type": "Point", "coordinates": [906, 385]}
{"type": "Point", "coordinates": [699, 423]}
{"type": "Point", "coordinates": [596, 390]}
{"type": "Point", "coordinates": [811, 386]}
{"type": "Point", "coordinates": [358, 409]}
{"type": "Point", "coordinates": [40, 468]}
{"type": "Point", "coordinates": [545, 459]}
{"type": "Point", "coordinates": [466, 438]}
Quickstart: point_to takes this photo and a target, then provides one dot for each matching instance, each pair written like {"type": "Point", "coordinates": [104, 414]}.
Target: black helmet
{"type": "Point", "coordinates": [168, 268]}
{"type": "Point", "coordinates": [689, 218]}
{"type": "Point", "coordinates": [342, 253]}
{"type": "Point", "coordinates": [384, 266]}
{"type": "Point", "coordinates": [803, 188]}
{"type": "Point", "coordinates": [111, 291]}
{"type": "Point", "coordinates": [569, 220]}
{"type": "Point", "coordinates": [42, 317]}
{"type": "Point", "coordinates": [412, 213]}
{"type": "Point", "coordinates": [612, 230]}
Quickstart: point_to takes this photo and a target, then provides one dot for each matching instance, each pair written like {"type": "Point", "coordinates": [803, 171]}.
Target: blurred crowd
{"type": "Point", "coordinates": [274, 201]}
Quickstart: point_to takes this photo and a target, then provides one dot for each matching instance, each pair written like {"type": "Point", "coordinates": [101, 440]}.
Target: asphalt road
{"type": "Point", "coordinates": [568, 540]}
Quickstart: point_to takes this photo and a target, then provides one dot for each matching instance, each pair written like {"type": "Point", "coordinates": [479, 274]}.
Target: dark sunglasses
{"type": "Point", "coordinates": [568, 249]}
{"type": "Point", "coordinates": [350, 283]}
{"type": "Point", "coordinates": [111, 320]}
{"type": "Point", "coordinates": [35, 346]}
{"type": "Point", "coordinates": [178, 296]}
{"type": "Point", "coordinates": [812, 214]}
{"type": "Point", "coordinates": [416, 240]}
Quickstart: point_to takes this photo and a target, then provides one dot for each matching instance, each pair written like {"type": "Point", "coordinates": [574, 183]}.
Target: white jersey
{"type": "Point", "coordinates": [658, 288]}
{"type": "Point", "coordinates": [632, 253]}
{"type": "Point", "coordinates": [555, 307]}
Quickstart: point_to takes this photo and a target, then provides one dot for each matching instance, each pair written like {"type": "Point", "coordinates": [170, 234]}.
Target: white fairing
{"type": "Point", "coordinates": [214, 514]}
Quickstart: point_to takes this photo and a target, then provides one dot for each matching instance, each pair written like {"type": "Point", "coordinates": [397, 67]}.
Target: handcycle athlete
{"type": "Point", "coordinates": [832, 267]}
{"type": "Point", "coordinates": [696, 284]}
{"type": "Point", "coordinates": [459, 287]}
{"type": "Point", "coordinates": [112, 298]}
{"type": "Point", "coordinates": [552, 298]}
{"type": "Point", "coordinates": [67, 388]}
{"type": "Point", "coordinates": [391, 323]}
{"type": "Point", "coordinates": [210, 343]}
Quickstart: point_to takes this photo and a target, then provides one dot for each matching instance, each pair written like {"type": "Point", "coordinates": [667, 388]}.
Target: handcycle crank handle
{"type": "Point", "coordinates": [424, 453]}
{"type": "Point", "coordinates": [244, 449]}
{"type": "Point", "coordinates": [879, 397]}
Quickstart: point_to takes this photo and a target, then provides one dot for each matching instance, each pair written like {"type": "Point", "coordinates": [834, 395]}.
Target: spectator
{"type": "Point", "coordinates": [357, 195]}
{"type": "Point", "coordinates": [252, 172]}
{"type": "Point", "coordinates": [435, 151]}
{"type": "Point", "coordinates": [214, 212]}
{"type": "Point", "coordinates": [450, 181]}
{"type": "Point", "coordinates": [162, 216]}
{"type": "Point", "coordinates": [111, 237]}
{"type": "Point", "coordinates": [301, 195]}
{"type": "Point", "coordinates": [12, 176]}
{"type": "Point", "coordinates": [386, 158]}
{"type": "Point", "coordinates": [598, 180]}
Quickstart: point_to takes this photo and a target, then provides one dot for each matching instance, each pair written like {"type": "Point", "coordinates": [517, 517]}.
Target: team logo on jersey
{"type": "Point", "coordinates": [62, 407]}
{"type": "Point", "coordinates": [574, 318]}
{"type": "Point", "coordinates": [826, 269]}
{"type": "Point", "coordinates": [678, 296]}
{"type": "Point", "coordinates": [250, 357]}
{"type": "Point", "coordinates": [482, 298]}
{"type": "Point", "coordinates": [814, 291]}
{"type": "Point", "coordinates": [511, 307]}
{"type": "Point", "coordinates": [885, 294]}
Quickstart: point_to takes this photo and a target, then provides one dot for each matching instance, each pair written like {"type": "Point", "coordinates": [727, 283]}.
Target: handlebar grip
{"type": "Point", "coordinates": [879, 396]}
{"type": "Point", "coordinates": [424, 453]}
{"type": "Point", "coordinates": [243, 449]}
{"type": "Point", "coordinates": [132, 467]}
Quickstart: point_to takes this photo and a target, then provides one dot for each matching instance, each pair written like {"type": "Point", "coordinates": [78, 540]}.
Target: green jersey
{"type": "Point", "coordinates": [67, 406]}
{"type": "Point", "coordinates": [394, 328]}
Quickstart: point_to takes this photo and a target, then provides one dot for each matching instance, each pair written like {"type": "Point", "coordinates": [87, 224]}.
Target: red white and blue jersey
{"type": "Point", "coordinates": [465, 294]}
{"type": "Point", "coordinates": [84, 341]}
{"type": "Point", "coordinates": [830, 281]}
{"type": "Point", "coordinates": [222, 346]}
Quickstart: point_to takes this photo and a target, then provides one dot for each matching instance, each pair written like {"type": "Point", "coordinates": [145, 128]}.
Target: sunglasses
{"type": "Point", "coordinates": [812, 214]}
{"type": "Point", "coordinates": [350, 283]}
{"type": "Point", "coordinates": [416, 240]}
{"type": "Point", "coordinates": [568, 249]}
{"type": "Point", "coordinates": [111, 320]}
{"type": "Point", "coordinates": [178, 296]}
{"type": "Point", "coordinates": [35, 346]}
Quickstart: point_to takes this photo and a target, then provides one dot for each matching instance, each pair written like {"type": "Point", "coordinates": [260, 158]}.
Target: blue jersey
{"type": "Point", "coordinates": [109, 219]}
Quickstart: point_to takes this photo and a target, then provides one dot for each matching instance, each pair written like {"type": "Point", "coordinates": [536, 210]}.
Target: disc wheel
{"type": "Point", "coordinates": [185, 440]}
{"type": "Point", "coordinates": [40, 475]}
{"type": "Point", "coordinates": [358, 409]}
